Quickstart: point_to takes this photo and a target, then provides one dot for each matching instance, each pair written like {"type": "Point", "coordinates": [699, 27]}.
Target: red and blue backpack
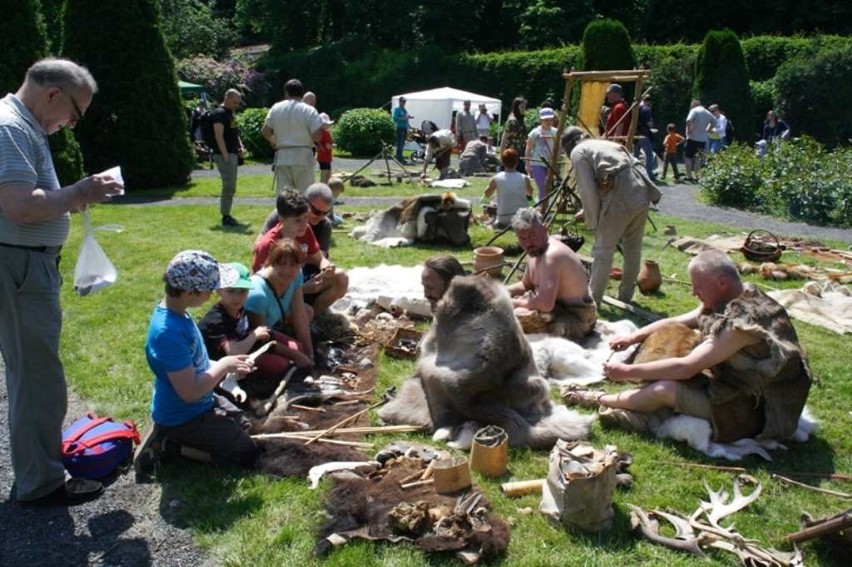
{"type": "Point", "coordinates": [94, 447]}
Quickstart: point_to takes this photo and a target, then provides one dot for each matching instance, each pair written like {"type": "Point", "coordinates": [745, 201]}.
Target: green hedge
{"type": "Point", "coordinates": [365, 76]}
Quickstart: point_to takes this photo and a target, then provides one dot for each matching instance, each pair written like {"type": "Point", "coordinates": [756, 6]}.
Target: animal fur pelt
{"type": "Point", "coordinates": [361, 508]}
{"type": "Point", "coordinates": [476, 365]}
{"type": "Point", "coordinates": [404, 222]}
{"type": "Point", "coordinates": [677, 341]}
{"type": "Point", "coordinates": [287, 457]}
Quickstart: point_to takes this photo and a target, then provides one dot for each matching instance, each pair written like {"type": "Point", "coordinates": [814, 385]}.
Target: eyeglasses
{"type": "Point", "coordinates": [77, 111]}
{"type": "Point", "coordinates": [317, 211]}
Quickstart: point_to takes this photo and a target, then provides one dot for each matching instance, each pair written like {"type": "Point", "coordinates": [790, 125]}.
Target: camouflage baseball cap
{"type": "Point", "coordinates": [197, 270]}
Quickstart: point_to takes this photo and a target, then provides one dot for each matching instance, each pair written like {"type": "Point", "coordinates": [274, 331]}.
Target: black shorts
{"type": "Point", "coordinates": [324, 165]}
{"type": "Point", "coordinates": [442, 159]}
{"type": "Point", "coordinates": [309, 271]}
{"type": "Point", "coordinates": [693, 147]}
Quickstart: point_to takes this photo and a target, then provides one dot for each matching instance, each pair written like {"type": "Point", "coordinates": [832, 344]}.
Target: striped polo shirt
{"type": "Point", "coordinates": [25, 160]}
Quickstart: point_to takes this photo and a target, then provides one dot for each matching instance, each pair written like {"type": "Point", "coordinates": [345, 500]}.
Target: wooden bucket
{"type": "Point", "coordinates": [489, 453]}
{"type": "Point", "coordinates": [451, 475]}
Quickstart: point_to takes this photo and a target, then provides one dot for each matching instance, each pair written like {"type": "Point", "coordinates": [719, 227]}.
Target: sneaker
{"type": "Point", "coordinates": [624, 419]}
{"type": "Point", "coordinates": [574, 395]}
{"type": "Point", "coordinates": [73, 492]}
{"type": "Point", "coordinates": [228, 220]}
{"type": "Point", "coordinates": [336, 220]}
{"type": "Point", "coordinates": [147, 454]}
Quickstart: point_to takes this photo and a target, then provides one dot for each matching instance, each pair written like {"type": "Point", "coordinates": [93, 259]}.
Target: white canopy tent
{"type": "Point", "coordinates": [439, 104]}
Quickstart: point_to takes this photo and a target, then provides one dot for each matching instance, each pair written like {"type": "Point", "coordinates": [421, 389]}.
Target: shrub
{"type": "Point", "coordinates": [814, 95]}
{"type": "Point", "coordinates": [721, 77]}
{"type": "Point", "coordinates": [764, 95]}
{"type": "Point", "coordinates": [250, 122]}
{"type": "Point", "coordinates": [797, 179]}
{"type": "Point", "coordinates": [361, 131]}
{"type": "Point", "coordinates": [734, 178]}
{"type": "Point", "coordinates": [606, 45]}
{"type": "Point", "coordinates": [67, 157]}
{"type": "Point", "coordinates": [219, 76]}
{"type": "Point", "coordinates": [136, 120]}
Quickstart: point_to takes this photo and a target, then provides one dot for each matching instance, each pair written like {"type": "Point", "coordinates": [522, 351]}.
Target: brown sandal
{"type": "Point", "coordinates": [574, 395]}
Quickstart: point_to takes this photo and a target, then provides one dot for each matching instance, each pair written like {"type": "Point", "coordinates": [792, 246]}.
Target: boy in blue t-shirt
{"type": "Point", "coordinates": [184, 408]}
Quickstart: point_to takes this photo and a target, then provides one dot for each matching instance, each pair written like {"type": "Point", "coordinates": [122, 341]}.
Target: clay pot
{"type": "Point", "coordinates": [650, 278]}
{"type": "Point", "coordinates": [488, 260]}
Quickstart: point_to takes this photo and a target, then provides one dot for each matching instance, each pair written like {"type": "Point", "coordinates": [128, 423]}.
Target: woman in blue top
{"type": "Point", "coordinates": [276, 297]}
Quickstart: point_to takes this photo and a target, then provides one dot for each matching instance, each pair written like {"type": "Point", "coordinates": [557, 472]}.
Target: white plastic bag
{"type": "Point", "coordinates": [94, 270]}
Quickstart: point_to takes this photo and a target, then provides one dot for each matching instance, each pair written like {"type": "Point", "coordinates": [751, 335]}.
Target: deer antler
{"type": "Point", "coordinates": [719, 506]}
{"type": "Point", "coordinates": [684, 540]}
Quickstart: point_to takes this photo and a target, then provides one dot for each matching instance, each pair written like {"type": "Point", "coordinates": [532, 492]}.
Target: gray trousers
{"type": "Point", "coordinates": [30, 325]}
{"type": "Point", "coordinates": [228, 170]}
{"type": "Point", "coordinates": [293, 178]}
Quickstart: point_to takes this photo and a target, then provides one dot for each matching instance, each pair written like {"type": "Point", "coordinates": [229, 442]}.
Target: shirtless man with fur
{"type": "Point", "coordinates": [554, 292]}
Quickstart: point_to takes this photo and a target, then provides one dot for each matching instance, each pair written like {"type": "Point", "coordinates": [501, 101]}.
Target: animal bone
{"type": "Point", "coordinates": [719, 507]}
{"type": "Point", "coordinates": [684, 540]}
{"type": "Point", "coordinates": [316, 473]}
{"type": "Point", "coordinates": [757, 556]}
{"type": "Point", "coordinates": [272, 400]}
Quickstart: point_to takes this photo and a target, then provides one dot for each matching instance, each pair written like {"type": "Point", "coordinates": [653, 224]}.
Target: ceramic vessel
{"type": "Point", "coordinates": [650, 278]}
{"type": "Point", "coordinates": [488, 260]}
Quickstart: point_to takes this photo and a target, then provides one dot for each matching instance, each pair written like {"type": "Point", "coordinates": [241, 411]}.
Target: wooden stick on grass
{"type": "Point", "coordinates": [786, 480]}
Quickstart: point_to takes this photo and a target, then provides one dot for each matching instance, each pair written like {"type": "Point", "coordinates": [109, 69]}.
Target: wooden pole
{"type": "Point", "coordinates": [522, 487]}
{"type": "Point", "coordinates": [832, 525]}
{"type": "Point", "coordinates": [554, 155]}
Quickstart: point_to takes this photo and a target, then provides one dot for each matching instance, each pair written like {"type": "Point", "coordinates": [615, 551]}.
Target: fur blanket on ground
{"type": "Point", "coordinates": [828, 305]}
{"type": "Point", "coordinates": [406, 222]}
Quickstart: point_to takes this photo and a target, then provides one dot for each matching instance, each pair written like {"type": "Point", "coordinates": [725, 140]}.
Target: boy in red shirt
{"type": "Point", "coordinates": [325, 147]}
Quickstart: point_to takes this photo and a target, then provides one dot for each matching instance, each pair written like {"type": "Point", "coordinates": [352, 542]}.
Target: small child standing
{"type": "Point", "coordinates": [226, 331]}
{"type": "Point", "coordinates": [184, 408]}
{"type": "Point", "coordinates": [337, 187]}
{"type": "Point", "coordinates": [325, 147]}
{"type": "Point", "coordinates": [671, 142]}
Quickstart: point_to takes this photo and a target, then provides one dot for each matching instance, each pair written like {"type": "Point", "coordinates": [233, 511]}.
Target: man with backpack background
{"type": "Point", "coordinates": [219, 129]}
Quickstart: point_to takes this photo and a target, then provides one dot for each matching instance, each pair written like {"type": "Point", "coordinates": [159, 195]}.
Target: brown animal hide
{"type": "Point", "coordinates": [476, 365]}
{"type": "Point", "coordinates": [672, 341]}
{"type": "Point", "coordinates": [371, 509]}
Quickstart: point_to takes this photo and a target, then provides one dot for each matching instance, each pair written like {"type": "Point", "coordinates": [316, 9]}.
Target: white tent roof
{"type": "Point", "coordinates": [439, 104]}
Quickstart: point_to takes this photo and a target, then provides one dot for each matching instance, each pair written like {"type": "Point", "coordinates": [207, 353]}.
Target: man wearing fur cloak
{"type": "Point", "coordinates": [759, 375]}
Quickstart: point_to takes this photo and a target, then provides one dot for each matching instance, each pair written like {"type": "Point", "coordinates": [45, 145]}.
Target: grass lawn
{"type": "Point", "coordinates": [252, 519]}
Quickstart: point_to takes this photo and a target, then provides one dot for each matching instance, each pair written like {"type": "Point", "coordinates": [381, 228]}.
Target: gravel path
{"type": "Point", "coordinates": [127, 526]}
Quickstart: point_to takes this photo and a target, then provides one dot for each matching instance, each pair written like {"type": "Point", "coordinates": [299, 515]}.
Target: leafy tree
{"type": "Point", "coordinates": [549, 23]}
{"type": "Point", "coordinates": [814, 94]}
{"type": "Point", "coordinates": [721, 77]}
{"type": "Point", "coordinates": [136, 120]}
{"type": "Point", "coordinates": [606, 45]}
{"type": "Point", "coordinates": [23, 41]}
{"type": "Point", "coordinates": [192, 28]}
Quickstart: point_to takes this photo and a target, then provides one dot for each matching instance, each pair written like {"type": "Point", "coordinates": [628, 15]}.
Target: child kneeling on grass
{"type": "Point", "coordinates": [206, 426]}
{"type": "Point", "coordinates": [226, 331]}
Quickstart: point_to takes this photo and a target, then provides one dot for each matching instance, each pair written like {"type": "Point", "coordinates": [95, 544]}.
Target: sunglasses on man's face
{"type": "Point", "coordinates": [317, 212]}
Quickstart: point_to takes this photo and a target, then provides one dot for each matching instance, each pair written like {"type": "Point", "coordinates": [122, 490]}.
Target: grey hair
{"type": "Point", "coordinates": [714, 262]}
{"type": "Point", "coordinates": [231, 93]}
{"type": "Point", "coordinates": [61, 73]}
{"type": "Point", "coordinates": [320, 190]}
{"type": "Point", "coordinates": [526, 218]}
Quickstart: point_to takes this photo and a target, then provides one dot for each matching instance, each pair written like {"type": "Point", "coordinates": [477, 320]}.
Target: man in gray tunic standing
{"type": "Point", "coordinates": [34, 224]}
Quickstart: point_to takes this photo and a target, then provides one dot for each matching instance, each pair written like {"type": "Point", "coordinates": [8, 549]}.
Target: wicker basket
{"type": "Point", "coordinates": [761, 246]}
{"type": "Point", "coordinates": [394, 347]}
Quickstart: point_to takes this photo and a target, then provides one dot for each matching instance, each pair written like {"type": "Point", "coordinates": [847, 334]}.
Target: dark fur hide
{"type": "Point", "coordinates": [476, 365]}
{"type": "Point", "coordinates": [361, 503]}
{"type": "Point", "coordinates": [288, 457]}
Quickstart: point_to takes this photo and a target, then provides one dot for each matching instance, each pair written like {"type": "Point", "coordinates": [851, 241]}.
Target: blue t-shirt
{"type": "Point", "coordinates": [174, 343]}
{"type": "Point", "coordinates": [262, 300]}
{"type": "Point", "coordinates": [399, 117]}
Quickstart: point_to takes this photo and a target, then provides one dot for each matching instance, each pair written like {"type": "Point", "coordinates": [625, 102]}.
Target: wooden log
{"type": "Point", "coordinates": [638, 311]}
{"type": "Point", "coordinates": [522, 487]}
{"type": "Point", "coordinates": [831, 526]}
{"type": "Point", "coordinates": [417, 483]}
